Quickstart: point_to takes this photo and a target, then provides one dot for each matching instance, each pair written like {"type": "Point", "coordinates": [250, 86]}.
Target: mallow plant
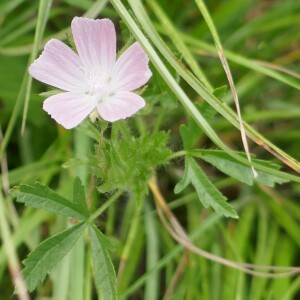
{"type": "Point", "coordinates": [100, 91]}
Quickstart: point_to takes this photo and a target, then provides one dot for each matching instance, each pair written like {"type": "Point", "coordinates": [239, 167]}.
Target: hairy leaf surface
{"type": "Point", "coordinates": [104, 273]}
{"type": "Point", "coordinates": [40, 262]}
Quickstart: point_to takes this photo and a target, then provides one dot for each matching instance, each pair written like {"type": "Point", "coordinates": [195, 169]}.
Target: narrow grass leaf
{"type": "Point", "coordinates": [282, 216]}
{"type": "Point", "coordinates": [42, 197]}
{"type": "Point", "coordinates": [152, 246]}
{"type": "Point", "coordinates": [105, 277]}
{"type": "Point", "coordinates": [180, 44]}
{"type": "Point", "coordinates": [286, 254]}
{"type": "Point", "coordinates": [48, 254]}
{"type": "Point", "coordinates": [206, 15]}
{"type": "Point", "coordinates": [43, 14]}
{"type": "Point", "coordinates": [207, 192]}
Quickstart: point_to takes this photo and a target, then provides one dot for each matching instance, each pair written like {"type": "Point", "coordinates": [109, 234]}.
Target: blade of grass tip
{"type": "Point", "coordinates": [220, 107]}
{"type": "Point", "coordinates": [226, 67]}
{"type": "Point", "coordinates": [13, 260]}
{"type": "Point", "coordinates": [43, 14]}
{"type": "Point", "coordinates": [177, 90]}
{"type": "Point", "coordinates": [180, 44]}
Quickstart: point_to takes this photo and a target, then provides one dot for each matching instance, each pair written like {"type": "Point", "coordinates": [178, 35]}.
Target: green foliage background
{"type": "Point", "coordinates": [170, 139]}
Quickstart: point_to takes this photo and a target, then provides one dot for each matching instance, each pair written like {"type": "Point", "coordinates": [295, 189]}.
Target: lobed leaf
{"type": "Point", "coordinates": [190, 135]}
{"type": "Point", "coordinates": [128, 164]}
{"type": "Point", "coordinates": [42, 197]}
{"type": "Point", "coordinates": [40, 262]}
{"type": "Point", "coordinates": [104, 273]}
{"type": "Point", "coordinates": [79, 197]}
{"type": "Point", "coordinates": [226, 164]}
{"type": "Point", "coordinates": [208, 194]}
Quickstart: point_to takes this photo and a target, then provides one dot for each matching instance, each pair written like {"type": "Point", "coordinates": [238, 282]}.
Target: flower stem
{"type": "Point", "coordinates": [103, 207]}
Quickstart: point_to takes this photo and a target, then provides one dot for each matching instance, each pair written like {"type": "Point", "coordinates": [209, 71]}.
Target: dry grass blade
{"type": "Point", "coordinates": [6, 186]}
{"type": "Point", "coordinates": [278, 68]}
{"type": "Point", "coordinates": [178, 272]}
{"type": "Point", "coordinates": [14, 265]}
{"type": "Point", "coordinates": [178, 233]}
{"type": "Point", "coordinates": [226, 67]}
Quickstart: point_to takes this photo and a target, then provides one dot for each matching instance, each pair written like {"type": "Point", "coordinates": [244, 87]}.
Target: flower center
{"type": "Point", "coordinates": [99, 86]}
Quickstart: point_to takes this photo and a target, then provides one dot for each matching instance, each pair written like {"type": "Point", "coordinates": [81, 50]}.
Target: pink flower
{"type": "Point", "coordinates": [93, 79]}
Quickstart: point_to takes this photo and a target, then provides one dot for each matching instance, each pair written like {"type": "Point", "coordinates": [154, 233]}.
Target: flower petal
{"type": "Point", "coordinates": [120, 106]}
{"type": "Point", "coordinates": [95, 42]}
{"type": "Point", "coordinates": [131, 70]}
{"type": "Point", "coordinates": [69, 109]}
{"type": "Point", "coordinates": [59, 66]}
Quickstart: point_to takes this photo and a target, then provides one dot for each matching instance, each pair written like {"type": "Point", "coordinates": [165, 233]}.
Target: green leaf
{"type": "Point", "coordinates": [104, 273]}
{"type": "Point", "coordinates": [91, 129]}
{"type": "Point", "coordinates": [48, 254]}
{"type": "Point", "coordinates": [190, 135]}
{"type": "Point", "coordinates": [42, 197]}
{"type": "Point", "coordinates": [220, 92]}
{"type": "Point", "coordinates": [206, 109]}
{"type": "Point", "coordinates": [226, 164]}
{"type": "Point", "coordinates": [129, 163]}
{"type": "Point", "coordinates": [159, 94]}
{"type": "Point", "coordinates": [125, 33]}
{"type": "Point", "coordinates": [208, 194]}
{"type": "Point", "coordinates": [79, 197]}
